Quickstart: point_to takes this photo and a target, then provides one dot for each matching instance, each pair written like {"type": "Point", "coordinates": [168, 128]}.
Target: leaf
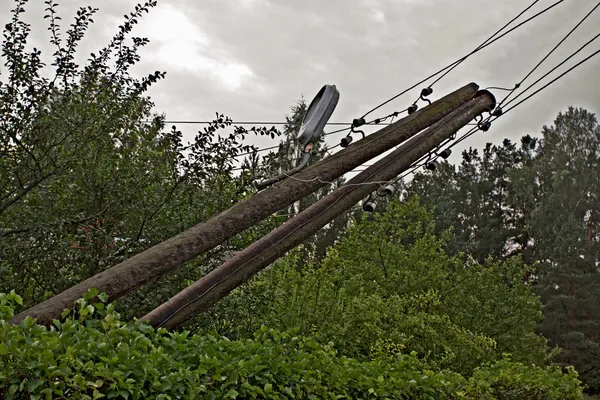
{"type": "Point", "coordinates": [33, 385]}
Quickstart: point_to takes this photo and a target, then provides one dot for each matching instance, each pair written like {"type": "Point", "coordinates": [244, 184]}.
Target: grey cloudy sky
{"type": "Point", "coordinates": [252, 59]}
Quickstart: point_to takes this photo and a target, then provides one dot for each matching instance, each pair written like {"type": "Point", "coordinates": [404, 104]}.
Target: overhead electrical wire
{"type": "Point", "coordinates": [479, 48]}
{"type": "Point", "coordinates": [449, 68]}
{"type": "Point", "coordinates": [246, 122]}
{"type": "Point", "coordinates": [502, 103]}
{"type": "Point", "coordinates": [511, 91]}
{"type": "Point", "coordinates": [553, 69]}
{"type": "Point", "coordinates": [474, 129]}
{"type": "Point", "coordinates": [552, 81]}
{"type": "Point", "coordinates": [492, 39]}
{"type": "Point", "coordinates": [493, 118]}
{"type": "Point", "coordinates": [485, 42]}
{"type": "Point", "coordinates": [196, 298]}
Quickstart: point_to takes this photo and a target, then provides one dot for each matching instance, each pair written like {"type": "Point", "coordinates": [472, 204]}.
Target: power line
{"type": "Point", "coordinates": [191, 122]}
{"type": "Point", "coordinates": [468, 55]}
{"type": "Point", "coordinates": [555, 68]}
{"type": "Point", "coordinates": [549, 54]}
{"type": "Point", "coordinates": [491, 118]}
{"type": "Point", "coordinates": [448, 68]}
{"type": "Point", "coordinates": [326, 149]}
{"type": "Point", "coordinates": [554, 80]}
{"type": "Point", "coordinates": [451, 66]}
{"type": "Point", "coordinates": [475, 129]}
{"type": "Point", "coordinates": [484, 43]}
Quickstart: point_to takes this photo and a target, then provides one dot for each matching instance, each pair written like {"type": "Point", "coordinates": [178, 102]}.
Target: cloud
{"type": "Point", "coordinates": [378, 15]}
{"type": "Point", "coordinates": [179, 44]}
{"type": "Point", "coordinates": [252, 59]}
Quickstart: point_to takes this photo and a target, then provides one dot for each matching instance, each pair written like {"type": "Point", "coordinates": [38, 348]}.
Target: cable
{"type": "Point", "coordinates": [244, 122]}
{"type": "Point", "coordinates": [465, 57]}
{"type": "Point", "coordinates": [377, 121]}
{"type": "Point", "coordinates": [555, 68]}
{"type": "Point", "coordinates": [476, 128]}
{"type": "Point", "coordinates": [350, 187]}
{"type": "Point", "coordinates": [291, 160]}
{"type": "Point", "coordinates": [511, 91]}
{"type": "Point", "coordinates": [470, 133]}
{"type": "Point", "coordinates": [490, 119]}
{"type": "Point", "coordinates": [276, 146]}
{"type": "Point", "coordinates": [552, 81]}
{"type": "Point", "coordinates": [257, 151]}
{"type": "Point", "coordinates": [484, 43]}
{"type": "Point", "coordinates": [450, 67]}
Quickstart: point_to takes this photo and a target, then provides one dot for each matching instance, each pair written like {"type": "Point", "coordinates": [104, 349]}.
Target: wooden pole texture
{"type": "Point", "coordinates": [174, 252]}
{"type": "Point", "coordinates": [242, 266]}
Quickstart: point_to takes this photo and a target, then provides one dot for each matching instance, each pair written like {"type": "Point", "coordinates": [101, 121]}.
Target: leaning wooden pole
{"type": "Point", "coordinates": [242, 266]}
{"type": "Point", "coordinates": [174, 252]}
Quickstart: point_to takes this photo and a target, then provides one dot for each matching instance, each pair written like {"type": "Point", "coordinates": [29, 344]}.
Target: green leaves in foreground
{"type": "Point", "coordinates": [98, 356]}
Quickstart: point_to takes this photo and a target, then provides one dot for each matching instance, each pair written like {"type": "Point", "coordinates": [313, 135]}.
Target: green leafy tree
{"type": "Point", "coordinates": [539, 200]}
{"type": "Point", "coordinates": [390, 284]}
{"type": "Point", "coordinates": [88, 174]}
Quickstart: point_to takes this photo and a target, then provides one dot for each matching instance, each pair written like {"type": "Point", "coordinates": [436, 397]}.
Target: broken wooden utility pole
{"type": "Point", "coordinates": [243, 265]}
{"type": "Point", "coordinates": [174, 252]}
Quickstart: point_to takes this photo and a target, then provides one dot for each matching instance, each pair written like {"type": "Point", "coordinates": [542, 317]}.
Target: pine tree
{"type": "Point", "coordinates": [540, 200]}
{"type": "Point", "coordinates": [474, 200]}
{"type": "Point", "coordinates": [564, 184]}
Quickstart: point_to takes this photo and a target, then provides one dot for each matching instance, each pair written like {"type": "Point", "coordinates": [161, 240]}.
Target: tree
{"type": "Point", "coordinates": [539, 201]}
{"type": "Point", "coordinates": [563, 182]}
{"type": "Point", "coordinates": [473, 200]}
{"type": "Point", "coordinates": [88, 174]}
{"type": "Point", "coordinates": [390, 285]}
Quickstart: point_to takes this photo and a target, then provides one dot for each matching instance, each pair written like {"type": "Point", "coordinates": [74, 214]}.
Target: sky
{"type": "Point", "coordinates": [253, 59]}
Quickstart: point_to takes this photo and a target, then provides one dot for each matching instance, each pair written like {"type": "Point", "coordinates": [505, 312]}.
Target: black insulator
{"type": "Point", "coordinates": [426, 91]}
{"type": "Point", "coordinates": [377, 120]}
{"type": "Point", "coordinates": [346, 141]}
{"type": "Point", "coordinates": [485, 126]}
{"type": "Point", "coordinates": [412, 109]}
{"type": "Point", "coordinates": [497, 112]}
{"type": "Point", "coordinates": [358, 122]}
{"type": "Point", "coordinates": [369, 206]}
{"type": "Point", "coordinates": [432, 165]}
{"type": "Point", "coordinates": [446, 153]}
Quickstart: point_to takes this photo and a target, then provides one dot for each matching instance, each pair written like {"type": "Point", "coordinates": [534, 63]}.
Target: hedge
{"type": "Point", "coordinates": [92, 354]}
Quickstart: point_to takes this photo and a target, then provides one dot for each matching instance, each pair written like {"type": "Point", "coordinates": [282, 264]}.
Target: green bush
{"type": "Point", "coordinates": [391, 279]}
{"type": "Point", "coordinates": [506, 379]}
{"type": "Point", "coordinates": [91, 354]}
